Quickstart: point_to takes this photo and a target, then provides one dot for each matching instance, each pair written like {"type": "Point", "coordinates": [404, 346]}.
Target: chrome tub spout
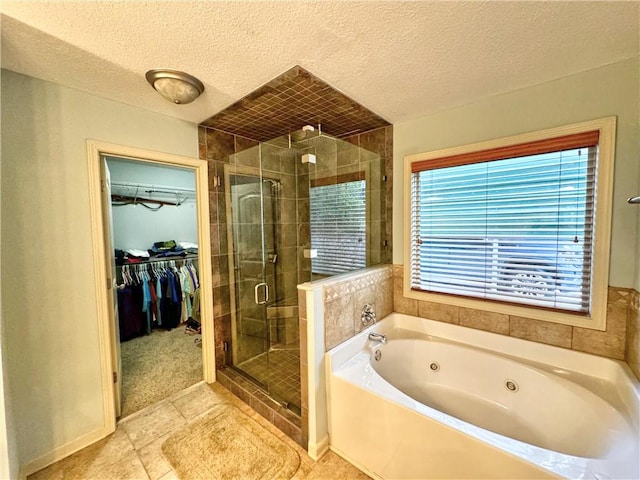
{"type": "Point", "coordinates": [378, 337]}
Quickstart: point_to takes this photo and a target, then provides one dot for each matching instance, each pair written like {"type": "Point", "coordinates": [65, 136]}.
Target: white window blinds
{"type": "Point", "coordinates": [338, 227]}
{"type": "Point", "coordinates": [513, 224]}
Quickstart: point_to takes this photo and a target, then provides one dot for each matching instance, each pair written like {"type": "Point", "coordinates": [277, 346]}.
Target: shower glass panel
{"type": "Point", "coordinates": [265, 340]}
{"type": "Point", "coordinates": [345, 202]}
{"type": "Point", "coordinates": [300, 207]}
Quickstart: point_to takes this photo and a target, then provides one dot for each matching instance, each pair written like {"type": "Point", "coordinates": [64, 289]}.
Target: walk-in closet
{"type": "Point", "coordinates": [154, 234]}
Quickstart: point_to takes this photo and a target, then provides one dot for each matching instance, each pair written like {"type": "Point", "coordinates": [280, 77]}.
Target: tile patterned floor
{"type": "Point", "coordinates": [280, 370]}
{"type": "Point", "coordinates": [133, 451]}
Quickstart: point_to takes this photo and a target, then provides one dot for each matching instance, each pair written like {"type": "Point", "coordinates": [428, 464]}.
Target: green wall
{"type": "Point", "coordinates": [49, 316]}
{"type": "Point", "coordinates": [606, 91]}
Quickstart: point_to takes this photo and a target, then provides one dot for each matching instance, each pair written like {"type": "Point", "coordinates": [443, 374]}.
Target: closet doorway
{"type": "Point", "coordinates": [129, 189]}
{"type": "Point", "coordinates": [155, 237]}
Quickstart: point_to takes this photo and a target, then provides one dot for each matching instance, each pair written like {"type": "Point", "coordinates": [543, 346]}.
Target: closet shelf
{"type": "Point", "coordinates": [190, 256]}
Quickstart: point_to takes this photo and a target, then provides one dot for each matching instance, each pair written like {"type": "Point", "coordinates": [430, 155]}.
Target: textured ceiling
{"type": "Point", "coordinates": [398, 59]}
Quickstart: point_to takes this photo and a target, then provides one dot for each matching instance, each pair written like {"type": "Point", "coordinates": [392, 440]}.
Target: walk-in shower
{"type": "Point", "coordinates": [298, 208]}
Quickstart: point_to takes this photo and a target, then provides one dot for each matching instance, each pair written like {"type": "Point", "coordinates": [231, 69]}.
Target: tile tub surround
{"type": "Point", "coordinates": [633, 333]}
{"type": "Point", "coordinates": [621, 335]}
{"type": "Point", "coordinates": [321, 306]}
{"type": "Point", "coordinates": [345, 299]}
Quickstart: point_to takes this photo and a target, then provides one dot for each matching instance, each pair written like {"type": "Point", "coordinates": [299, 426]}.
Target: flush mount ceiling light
{"type": "Point", "coordinates": [177, 87]}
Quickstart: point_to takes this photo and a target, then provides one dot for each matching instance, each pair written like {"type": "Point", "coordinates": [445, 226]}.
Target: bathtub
{"type": "Point", "coordinates": [444, 401]}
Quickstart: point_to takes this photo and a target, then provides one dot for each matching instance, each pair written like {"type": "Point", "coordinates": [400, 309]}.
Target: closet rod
{"type": "Point", "coordinates": [152, 188]}
{"type": "Point", "coordinates": [128, 200]}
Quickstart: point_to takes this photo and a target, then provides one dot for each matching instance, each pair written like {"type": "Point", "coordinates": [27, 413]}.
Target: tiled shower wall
{"type": "Point", "coordinates": [216, 147]}
{"type": "Point", "coordinates": [235, 153]}
{"type": "Point", "coordinates": [219, 149]}
{"type": "Point", "coordinates": [380, 142]}
{"type": "Point", "coordinates": [304, 367]}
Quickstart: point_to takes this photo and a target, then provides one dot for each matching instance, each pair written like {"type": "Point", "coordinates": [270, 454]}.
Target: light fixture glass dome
{"type": "Point", "coordinates": [177, 87]}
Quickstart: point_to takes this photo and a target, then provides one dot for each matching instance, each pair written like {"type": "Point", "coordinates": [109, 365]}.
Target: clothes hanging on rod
{"type": "Point", "coordinates": [159, 294]}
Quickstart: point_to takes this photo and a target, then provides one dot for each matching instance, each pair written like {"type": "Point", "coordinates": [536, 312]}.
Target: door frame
{"type": "Point", "coordinates": [106, 329]}
{"type": "Point", "coordinates": [114, 314]}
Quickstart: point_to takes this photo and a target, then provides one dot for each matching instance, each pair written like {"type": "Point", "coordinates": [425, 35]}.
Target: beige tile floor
{"type": "Point", "coordinates": [133, 451]}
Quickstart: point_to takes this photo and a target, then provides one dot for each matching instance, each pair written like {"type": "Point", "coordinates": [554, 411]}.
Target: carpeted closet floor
{"type": "Point", "coordinates": [157, 365]}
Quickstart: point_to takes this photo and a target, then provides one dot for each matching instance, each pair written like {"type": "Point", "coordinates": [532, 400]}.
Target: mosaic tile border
{"type": "Point", "coordinates": [357, 282]}
{"type": "Point", "coordinates": [619, 296]}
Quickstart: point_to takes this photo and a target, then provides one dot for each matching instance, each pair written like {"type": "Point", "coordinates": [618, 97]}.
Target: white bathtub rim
{"type": "Point", "coordinates": [377, 385]}
{"type": "Point", "coordinates": [562, 464]}
{"type": "Point", "coordinates": [342, 358]}
{"type": "Point", "coordinates": [595, 439]}
{"type": "Point", "coordinates": [572, 360]}
{"type": "Point", "coordinates": [622, 399]}
{"type": "Point", "coordinates": [382, 389]}
{"type": "Point", "coordinates": [583, 368]}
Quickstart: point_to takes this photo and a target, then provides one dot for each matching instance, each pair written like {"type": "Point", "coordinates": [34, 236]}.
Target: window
{"type": "Point", "coordinates": [338, 226]}
{"type": "Point", "coordinates": [514, 224]}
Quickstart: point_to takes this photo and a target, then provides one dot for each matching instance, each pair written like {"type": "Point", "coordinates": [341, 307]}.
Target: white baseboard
{"type": "Point", "coordinates": [63, 451]}
{"type": "Point", "coordinates": [317, 450]}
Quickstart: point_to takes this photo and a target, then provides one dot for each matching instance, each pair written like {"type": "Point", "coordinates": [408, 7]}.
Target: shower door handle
{"type": "Point", "coordinates": [266, 293]}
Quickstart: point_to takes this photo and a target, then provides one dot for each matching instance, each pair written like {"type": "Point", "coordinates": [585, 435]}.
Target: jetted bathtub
{"type": "Point", "coordinates": [444, 401]}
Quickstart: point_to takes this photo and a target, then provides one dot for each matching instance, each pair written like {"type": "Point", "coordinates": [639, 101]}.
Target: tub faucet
{"type": "Point", "coordinates": [378, 337]}
{"type": "Point", "coordinates": [368, 315]}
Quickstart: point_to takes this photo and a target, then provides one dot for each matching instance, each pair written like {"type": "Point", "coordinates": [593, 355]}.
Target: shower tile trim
{"type": "Point", "coordinates": [262, 403]}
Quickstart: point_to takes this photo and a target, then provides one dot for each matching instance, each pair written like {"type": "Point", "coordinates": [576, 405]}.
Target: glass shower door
{"type": "Point", "coordinates": [260, 349]}
{"type": "Point", "coordinates": [252, 290]}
